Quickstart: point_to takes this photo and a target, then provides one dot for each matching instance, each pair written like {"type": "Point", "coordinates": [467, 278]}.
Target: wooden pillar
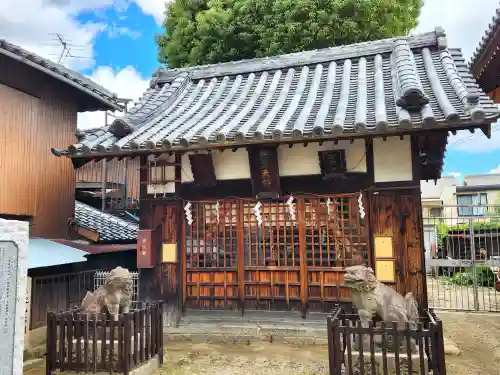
{"type": "Point", "coordinates": [240, 243]}
{"type": "Point", "coordinates": [302, 255]}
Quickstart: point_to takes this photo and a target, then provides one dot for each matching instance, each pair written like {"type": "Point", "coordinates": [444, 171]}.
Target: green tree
{"type": "Point", "coordinates": [205, 32]}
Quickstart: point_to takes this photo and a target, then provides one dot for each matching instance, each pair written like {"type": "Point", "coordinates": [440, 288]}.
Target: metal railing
{"type": "Point", "coordinates": [462, 257]}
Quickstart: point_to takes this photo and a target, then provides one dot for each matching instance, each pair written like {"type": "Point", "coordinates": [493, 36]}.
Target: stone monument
{"type": "Point", "coordinates": [113, 296]}
{"type": "Point", "coordinates": [13, 277]}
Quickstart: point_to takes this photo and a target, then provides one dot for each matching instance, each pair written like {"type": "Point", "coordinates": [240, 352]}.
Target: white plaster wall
{"type": "Point", "coordinates": [482, 179]}
{"type": "Point", "coordinates": [300, 160]}
{"type": "Point", "coordinates": [228, 165]}
{"type": "Point", "coordinates": [392, 159]}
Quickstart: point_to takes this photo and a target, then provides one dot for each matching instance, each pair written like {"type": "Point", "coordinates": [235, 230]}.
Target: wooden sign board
{"type": "Point", "coordinates": [169, 253]}
{"type": "Point", "coordinates": [383, 247]}
{"type": "Point", "coordinates": [264, 171]}
{"type": "Point", "coordinates": [332, 163]}
{"type": "Point", "coordinates": [202, 167]}
{"type": "Point", "coordinates": [385, 271]}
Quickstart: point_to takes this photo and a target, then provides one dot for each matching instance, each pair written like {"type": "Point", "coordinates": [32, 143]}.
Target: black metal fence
{"type": "Point", "coordinates": [382, 348]}
{"type": "Point", "coordinates": [90, 343]}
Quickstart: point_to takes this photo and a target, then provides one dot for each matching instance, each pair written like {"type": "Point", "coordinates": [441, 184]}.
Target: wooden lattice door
{"type": "Point", "coordinates": [210, 256]}
{"type": "Point", "coordinates": [335, 238]}
{"type": "Point", "coordinates": [284, 262]}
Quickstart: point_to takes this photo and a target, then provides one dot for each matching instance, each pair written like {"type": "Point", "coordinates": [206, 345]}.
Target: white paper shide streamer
{"type": "Point", "coordinates": [361, 208]}
{"type": "Point", "coordinates": [217, 211]}
{"type": "Point", "coordinates": [329, 207]}
{"type": "Point", "coordinates": [189, 215]}
{"type": "Point", "coordinates": [291, 207]}
{"type": "Point", "coordinates": [256, 212]}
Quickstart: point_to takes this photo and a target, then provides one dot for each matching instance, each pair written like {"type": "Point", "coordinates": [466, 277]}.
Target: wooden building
{"type": "Point", "coordinates": [485, 62]}
{"type": "Point", "coordinates": [261, 180]}
{"type": "Point", "coordinates": [39, 102]}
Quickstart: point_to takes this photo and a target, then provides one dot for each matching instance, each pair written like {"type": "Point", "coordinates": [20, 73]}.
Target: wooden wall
{"type": "Point", "coordinates": [117, 171]}
{"type": "Point", "coordinates": [398, 214]}
{"type": "Point", "coordinates": [32, 180]}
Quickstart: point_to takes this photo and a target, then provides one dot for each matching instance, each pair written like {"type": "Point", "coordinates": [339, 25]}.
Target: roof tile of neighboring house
{"type": "Point", "coordinates": [381, 87]}
{"type": "Point", "coordinates": [61, 73]}
{"type": "Point", "coordinates": [488, 37]}
{"type": "Point", "coordinates": [110, 228]}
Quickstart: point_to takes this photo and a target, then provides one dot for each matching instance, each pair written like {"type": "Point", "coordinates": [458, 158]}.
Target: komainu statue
{"type": "Point", "coordinates": [116, 293]}
{"type": "Point", "coordinates": [372, 297]}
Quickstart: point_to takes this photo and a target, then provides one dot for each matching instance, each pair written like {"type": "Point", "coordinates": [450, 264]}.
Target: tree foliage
{"type": "Point", "coordinates": [203, 32]}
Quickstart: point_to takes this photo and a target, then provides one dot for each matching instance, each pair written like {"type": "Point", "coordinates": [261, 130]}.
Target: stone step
{"type": "Point", "coordinates": [278, 317]}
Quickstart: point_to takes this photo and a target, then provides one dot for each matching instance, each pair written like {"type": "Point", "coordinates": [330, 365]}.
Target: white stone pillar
{"type": "Point", "coordinates": [13, 277]}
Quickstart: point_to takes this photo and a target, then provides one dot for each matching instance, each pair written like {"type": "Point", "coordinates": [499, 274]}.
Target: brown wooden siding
{"type": "Point", "coordinates": [495, 95]}
{"type": "Point", "coordinates": [33, 182]}
{"type": "Point", "coordinates": [398, 214]}
{"type": "Point", "coordinates": [118, 171]}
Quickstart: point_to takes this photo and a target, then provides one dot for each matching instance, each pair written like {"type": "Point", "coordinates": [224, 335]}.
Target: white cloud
{"type": "Point", "coordinates": [115, 31]}
{"type": "Point", "coordinates": [464, 22]}
{"type": "Point", "coordinates": [33, 24]}
{"type": "Point", "coordinates": [155, 8]}
{"type": "Point", "coordinates": [454, 174]}
{"type": "Point", "coordinates": [495, 170]}
{"type": "Point", "coordinates": [127, 83]}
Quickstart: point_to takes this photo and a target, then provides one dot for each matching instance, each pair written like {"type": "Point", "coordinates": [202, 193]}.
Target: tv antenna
{"type": "Point", "coordinates": [67, 49]}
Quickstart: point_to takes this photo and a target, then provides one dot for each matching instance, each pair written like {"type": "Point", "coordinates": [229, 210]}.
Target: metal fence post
{"type": "Point", "coordinates": [473, 259]}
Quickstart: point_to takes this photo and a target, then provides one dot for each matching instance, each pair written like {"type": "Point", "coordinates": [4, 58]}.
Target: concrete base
{"type": "Point", "coordinates": [231, 327]}
{"type": "Point", "coordinates": [254, 326]}
{"type": "Point", "coordinates": [390, 363]}
{"type": "Point", "coordinates": [147, 368]}
{"type": "Point", "coordinates": [451, 348]}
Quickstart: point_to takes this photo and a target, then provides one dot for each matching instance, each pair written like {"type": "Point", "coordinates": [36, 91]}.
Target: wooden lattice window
{"type": "Point", "coordinates": [273, 243]}
{"type": "Point", "coordinates": [212, 242]}
{"type": "Point", "coordinates": [335, 235]}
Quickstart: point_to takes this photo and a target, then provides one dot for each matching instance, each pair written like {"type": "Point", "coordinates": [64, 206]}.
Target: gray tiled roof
{"type": "Point", "coordinates": [61, 73]}
{"type": "Point", "coordinates": [110, 227]}
{"type": "Point", "coordinates": [380, 87]}
{"type": "Point", "coordinates": [493, 27]}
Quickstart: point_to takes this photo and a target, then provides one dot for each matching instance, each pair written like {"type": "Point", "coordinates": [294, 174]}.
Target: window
{"type": "Point", "coordinates": [468, 200]}
{"type": "Point", "coordinates": [435, 212]}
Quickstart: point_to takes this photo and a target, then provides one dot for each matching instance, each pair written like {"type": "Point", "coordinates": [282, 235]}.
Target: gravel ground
{"type": "Point", "coordinates": [233, 359]}
{"type": "Point", "coordinates": [477, 336]}
{"type": "Point", "coordinates": [448, 296]}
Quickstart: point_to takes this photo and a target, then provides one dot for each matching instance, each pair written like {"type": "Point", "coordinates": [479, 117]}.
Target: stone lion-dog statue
{"type": "Point", "coordinates": [115, 294]}
{"type": "Point", "coordinates": [371, 297]}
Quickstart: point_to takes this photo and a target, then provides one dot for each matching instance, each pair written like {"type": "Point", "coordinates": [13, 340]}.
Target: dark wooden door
{"type": "Point", "coordinates": [398, 214]}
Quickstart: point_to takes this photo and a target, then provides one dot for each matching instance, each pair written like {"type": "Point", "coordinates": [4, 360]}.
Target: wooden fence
{"type": "Point", "coordinates": [383, 349]}
{"type": "Point", "coordinates": [78, 342]}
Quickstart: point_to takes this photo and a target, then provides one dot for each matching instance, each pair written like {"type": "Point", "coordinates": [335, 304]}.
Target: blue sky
{"type": "Point", "coordinates": [115, 46]}
{"type": "Point", "coordinates": [129, 42]}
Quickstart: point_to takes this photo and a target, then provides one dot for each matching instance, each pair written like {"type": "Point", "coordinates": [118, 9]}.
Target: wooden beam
{"type": "Point", "coordinates": [486, 129]}
{"type": "Point", "coordinates": [88, 234]}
